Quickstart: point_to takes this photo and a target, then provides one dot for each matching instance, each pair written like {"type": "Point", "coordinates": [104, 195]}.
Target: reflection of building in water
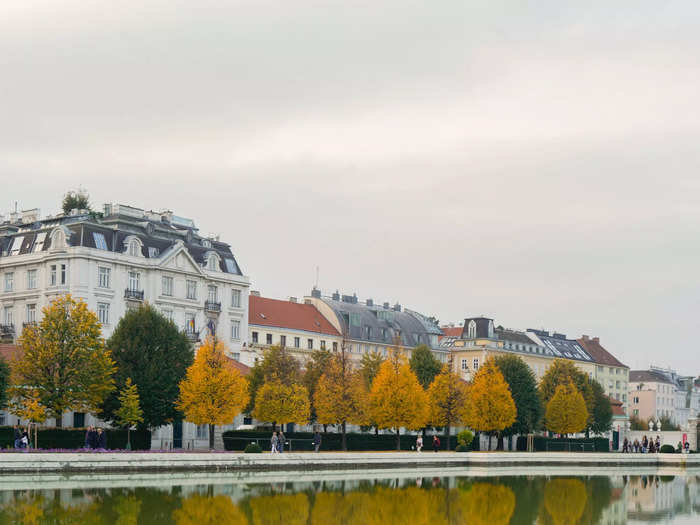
{"type": "Point", "coordinates": [616, 512]}
{"type": "Point", "coordinates": [661, 497]}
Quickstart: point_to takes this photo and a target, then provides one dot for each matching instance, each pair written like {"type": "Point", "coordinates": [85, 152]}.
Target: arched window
{"type": "Point", "coordinates": [471, 329]}
{"type": "Point", "coordinates": [213, 262]}
{"type": "Point", "coordinates": [133, 246]}
{"type": "Point", "coordinates": [58, 239]}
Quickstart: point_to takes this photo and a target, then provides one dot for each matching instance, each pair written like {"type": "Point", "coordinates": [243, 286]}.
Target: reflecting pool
{"type": "Point", "coordinates": [386, 498]}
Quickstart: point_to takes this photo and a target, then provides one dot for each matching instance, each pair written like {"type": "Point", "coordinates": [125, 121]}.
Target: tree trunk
{"type": "Point", "coordinates": [59, 421]}
{"type": "Point", "coordinates": [344, 444]}
{"type": "Point", "coordinates": [499, 443]}
{"type": "Point", "coordinates": [128, 438]}
{"type": "Point", "coordinates": [489, 441]}
{"type": "Point", "coordinates": [447, 435]}
{"type": "Point", "coordinates": [325, 428]}
{"type": "Point", "coordinates": [211, 437]}
{"type": "Point", "coordinates": [376, 431]}
{"type": "Point", "coordinates": [398, 438]}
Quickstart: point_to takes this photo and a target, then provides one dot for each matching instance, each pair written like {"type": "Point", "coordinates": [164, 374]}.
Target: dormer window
{"type": "Point", "coordinates": [133, 246]}
{"type": "Point", "coordinates": [58, 239]}
{"type": "Point", "coordinates": [212, 262]}
{"type": "Point", "coordinates": [471, 330]}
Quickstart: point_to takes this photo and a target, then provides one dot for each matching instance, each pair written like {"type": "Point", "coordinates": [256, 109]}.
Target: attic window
{"type": "Point", "coordinates": [100, 242]}
{"type": "Point", "coordinates": [206, 243]}
{"type": "Point", "coordinates": [153, 252]}
{"type": "Point", "coordinates": [213, 262]}
{"type": "Point", "coordinates": [231, 266]}
{"type": "Point", "coordinates": [39, 242]}
{"type": "Point", "coordinates": [16, 245]}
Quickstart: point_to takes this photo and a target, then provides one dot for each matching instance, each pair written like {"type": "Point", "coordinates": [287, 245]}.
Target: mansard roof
{"type": "Point", "coordinates": [155, 237]}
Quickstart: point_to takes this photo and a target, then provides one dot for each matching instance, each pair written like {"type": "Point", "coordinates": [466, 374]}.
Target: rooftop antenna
{"type": "Point", "coordinates": [316, 285]}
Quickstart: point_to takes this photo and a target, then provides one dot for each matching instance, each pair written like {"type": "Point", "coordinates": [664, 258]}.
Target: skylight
{"type": "Point", "coordinates": [231, 266]}
{"type": "Point", "coordinates": [16, 245]}
{"type": "Point", "coordinates": [39, 242]}
{"type": "Point", "coordinates": [100, 242]}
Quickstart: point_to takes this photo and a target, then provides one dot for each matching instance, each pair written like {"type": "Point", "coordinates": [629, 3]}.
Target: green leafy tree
{"type": "Point", "coordinates": [369, 366]}
{"type": "Point", "coordinates": [129, 412]}
{"type": "Point", "coordinates": [277, 364]}
{"type": "Point", "coordinates": [602, 410]}
{"type": "Point", "coordinates": [523, 387]}
{"type": "Point", "coordinates": [155, 354]}
{"type": "Point", "coordinates": [63, 360]}
{"type": "Point", "coordinates": [424, 365]}
{"type": "Point", "coordinates": [75, 200]}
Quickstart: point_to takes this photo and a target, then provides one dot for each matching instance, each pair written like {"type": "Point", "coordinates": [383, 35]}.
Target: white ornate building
{"type": "Point", "coordinates": [116, 260]}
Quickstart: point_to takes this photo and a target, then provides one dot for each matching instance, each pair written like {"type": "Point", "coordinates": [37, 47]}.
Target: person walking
{"type": "Point", "coordinates": [625, 446]}
{"type": "Point", "coordinates": [317, 441]}
{"type": "Point", "coordinates": [273, 443]}
{"type": "Point", "coordinates": [436, 443]}
{"type": "Point", "coordinates": [645, 444]}
{"type": "Point", "coordinates": [88, 437]}
{"type": "Point", "coordinates": [419, 443]}
{"type": "Point", "coordinates": [658, 443]}
{"type": "Point", "coordinates": [101, 439]}
{"type": "Point", "coordinates": [24, 440]}
{"type": "Point", "coordinates": [280, 441]}
{"type": "Point", "coordinates": [18, 436]}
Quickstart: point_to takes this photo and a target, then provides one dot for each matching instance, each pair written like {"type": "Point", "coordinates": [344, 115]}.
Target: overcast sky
{"type": "Point", "coordinates": [536, 164]}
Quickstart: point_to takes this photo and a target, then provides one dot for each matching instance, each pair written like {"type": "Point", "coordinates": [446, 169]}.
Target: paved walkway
{"type": "Point", "coordinates": [47, 462]}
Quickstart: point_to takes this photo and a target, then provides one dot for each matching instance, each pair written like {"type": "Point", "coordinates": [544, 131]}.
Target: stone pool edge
{"type": "Point", "coordinates": [38, 462]}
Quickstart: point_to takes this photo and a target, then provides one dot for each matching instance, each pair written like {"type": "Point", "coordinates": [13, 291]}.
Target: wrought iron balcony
{"type": "Point", "coordinates": [192, 335]}
{"type": "Point", "coordinates": [7, 329]}
{"type": "Point", "coordinates": [28, 323]}
{"type": "Point", "coordinates": [133, 295]}
{"type": "Point", "coordinates": [212, 306]}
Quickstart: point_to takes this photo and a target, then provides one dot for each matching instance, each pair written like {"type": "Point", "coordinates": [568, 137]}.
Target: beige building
{"type": "Point", "coordinates": [609, 371]}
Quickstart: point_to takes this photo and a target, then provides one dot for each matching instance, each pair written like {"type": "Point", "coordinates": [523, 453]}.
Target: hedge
{"type": "Point", "coordinates": [74, 438]}
{"type": "Point", "coordinates": [302, 441]}
{"type": "Point", "coordinates": [543, 444]}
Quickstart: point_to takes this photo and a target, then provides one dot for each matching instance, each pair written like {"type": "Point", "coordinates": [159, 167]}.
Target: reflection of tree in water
{"type": "Point", "coordinates": [280, 509]}
{"type": "Point", "coordinates": [127, 508]}
{"type": "Point", "coordinates": [34, 508]}
{"type": "Point", "coordinates": [564, 501]}
{"type": "Point", "coordinates": [208, 510]}
{"type": "Point", "coordinates": [484, 504]}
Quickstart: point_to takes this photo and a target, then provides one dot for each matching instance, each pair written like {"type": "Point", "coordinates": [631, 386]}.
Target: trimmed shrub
{"type": "Point", "coordinates": [667, 449]}
{"type": "Point", "coordinates": [462, 448]}
{"type": "Point", "coordinates": [464, 438]}
{"type": "Point", "coordinates": [252, 448]}
{"type": "Point", "coordinates": [543, 444]}
{"type": "Point", "coordinates": [74, 438]}
{"type": "Point", "coordinates": [302, 441]}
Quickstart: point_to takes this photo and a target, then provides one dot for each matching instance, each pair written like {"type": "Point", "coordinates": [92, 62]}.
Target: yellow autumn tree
{"type": "Point", "coordinates": [566, 412]}
{"type": "Point", "coordinates": [213, 392]}
{"type": "Point", "coordinates": [485, 504]}
{"type": "Point", "coordinates": [31, 409]}
{"type": "Point", "coordinates": [491, 407]}
{"type": "Point", "coordinates": [280, 509]}
{"type": "Point", "coordinates": [276, 402]}
{"type": "Point", "coordinates": [64, 360]}
{"type": "Point", "coordinates": [341, 396]}
{"type": "Point", "coordinates": [565, 500]}
{"type": "Point", "coordinates": [397, 399]}
{"type": "Point", "coordinates": [447, 397]}
{"type": "Point", "coordinates": [209, 510]}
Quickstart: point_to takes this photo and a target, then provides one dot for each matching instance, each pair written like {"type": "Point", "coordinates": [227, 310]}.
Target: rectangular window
{"type": "Point", "coordinates": [191, 289]}
{"type": "Point", "coordinates": [610, 370]}
{"type": "Point", "coordinates": [368, 332]}
{"type": "Point", "coordinates": [31, 313]}
{"type": "Point", "coordinates": [190, 326]}
{"type": "Point", "coordinates": [212, 293]}
{"type": "Point", "coordinates": [168, 314]}
{"type": "Point", "coordinates": [16, 245]}
{"type": "Point", "coordinates": [9, 321]}
{"type": "Point", "coordinates": [9, 281]}
{"type": "Point", "coordinates": [624, 397]}
{"type": "Point", "coordinates": [235, 330]}
{"type": "Point", "coordinates": [39, 242]}
{"type": "Point", "coordinates": [297, 342]}
{"type": "Point", "coordinates": [475, 364]}
{"type": "Point", "coordinates": [167, 283]}
{"type": "Point", "coordinates": [355, 319]}
{"type": "Point", "coordinates": [617, 384]}
{"type": "Point", "coordinates": [268, 339]}
{"type": "Point", "coordinates": [78, 419]}
{"type": "Point", "coordinates": [636, 411]}
{"type": "Point", "coordinates": [323, 345]}
{"type": "Point", "coordinates": [236, 298]}
{"type": "Point", "coordinates": [310, 344]}
{"type": "Point", "coordinates": [134, 281]}
{"type": "Point", "coordinates": [100, 242]}
{"type": "Point", "coordinates": [231, 266]}
{"type": "Point", "coordinates": [255, 337]}
{"type": "Point", "coordinates": [31, 279]}
{"type": "Point", "coordinates": [237, 356]}
{"type": "Point", "coordinates": [383, 334]}
{"type": "Point", "coordinates": [64, 274]}
{"type": "Point", "coordinates": [335, 346]}
{"type": "Point", "coordinates": [103, 313]}
{"type": "Point", "coordinates": [53, 279]}
{"type": "Point", "coordinates": [283, 340]}
{"type": "Point", "coordinates": [202, 432]}
{"type": "Point", "coordinates": [465, 366]}
{"type": "Point", "coordinates": [104, 276]}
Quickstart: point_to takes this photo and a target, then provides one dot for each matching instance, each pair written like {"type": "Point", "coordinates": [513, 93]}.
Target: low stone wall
{"type": "Point", "coordinates": [232, 462]}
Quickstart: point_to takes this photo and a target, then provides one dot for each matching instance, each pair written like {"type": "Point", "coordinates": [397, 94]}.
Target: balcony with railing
{"type": "Point", "coordinates": [212, 307]}
{"type": "Point", "coordinates": [133, 295]}
{"type": "Point", "coordinates": [192, 335]}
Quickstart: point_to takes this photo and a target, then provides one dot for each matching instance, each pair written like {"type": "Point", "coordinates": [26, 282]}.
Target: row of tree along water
{"type": "Point", "coordinates": [147, 375]}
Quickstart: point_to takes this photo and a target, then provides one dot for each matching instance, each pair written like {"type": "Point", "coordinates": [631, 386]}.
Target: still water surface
{"type": "Point", "coordinates": [434, 500]}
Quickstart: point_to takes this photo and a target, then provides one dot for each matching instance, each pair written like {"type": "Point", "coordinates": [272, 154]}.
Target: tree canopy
{"type": "Point", "coordinates": [369, 366]}
{"type": "Point", "coordinates": [155, 354]}
{"type": "Point", "coordinates": [213, 392]}
{"type": "Point", "coordinates": [129, 412]}
{"type": "Point", "coordinates": [491, 407]}
{"type": "Point", "coordinates": [424, 365]}
{"type": "Point", "coordinates": [566, 412]}
{"type": "Point", "coordinates": [397, 399]}
{"type": "Point", "coordinates": [447, 399]}
{"type": "Point", "coordinates": [5, 374]}
{"type": "Point", "coordinates": [315, 367]}
{"type": "Point", "coordinates": [64, 360]}
{"type": "Point", "coordinates": [75, 200]}
{"type": "Point", "coordinates": [276, 402]}
{"type": "Point", "coordinates": [277, 364]}
{"type": "Point", "coordinates": [602, 410]}
{"type": "Point", "coordinates": [523, 387]}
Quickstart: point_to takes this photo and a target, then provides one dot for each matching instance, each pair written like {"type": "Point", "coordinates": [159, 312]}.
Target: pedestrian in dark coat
{"type": "Point", "coordinates": [280, 442]}
{"type": "Point", "coordinates": [18, 437]}
{"type": "Point", "coordinates": [101, 439]}
{"type": "Point", "coordinates": [317, 441]}
{"type": "Point", "coordinates": [436, 443]}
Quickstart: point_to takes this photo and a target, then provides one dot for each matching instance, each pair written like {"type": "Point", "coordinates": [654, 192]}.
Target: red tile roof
{"type": "Point", "coordinates": [8, 352]}
{"type": "Point", "coordinates": [286, 314]}
{"type": "Point", "coordinates": [243, 369]}
{"type": "Point", "coordinates": [599, 354]}
{"type": "Point", "coordinates": [616, 406]}
{"type": "Point", "coordinates": [451, 331]}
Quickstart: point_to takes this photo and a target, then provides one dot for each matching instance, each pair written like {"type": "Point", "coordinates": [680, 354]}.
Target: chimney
{"type": "Point", "coordinates": [316, 293]}
{"type": "Point", "coordinates": [255, 293]}
{"type": "Point", "coordinates": [292, 299]}
{"type": "Point", "coordinates": [336, 296]}
{"type": "Point", "coordinates": [30, 216]}
{"type": "Point", "coordinates": [596, 340]}
{"type": "Point", "coordinates": [386, 306]}
{"type": "Point", "coordinates": [369, 302]}
{"type": "Point", "coordinates": [397, 307]}
{"type": "Point", "coordinates": [584, 337]}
